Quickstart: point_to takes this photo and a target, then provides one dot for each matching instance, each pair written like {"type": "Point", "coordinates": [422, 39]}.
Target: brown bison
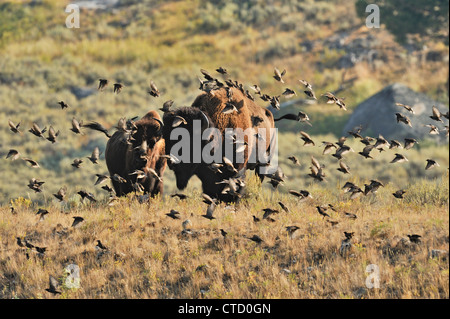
{"type": "Point", "coordinates": [211, 111]}
{"type": "Point", "coordinates": [135, 156]}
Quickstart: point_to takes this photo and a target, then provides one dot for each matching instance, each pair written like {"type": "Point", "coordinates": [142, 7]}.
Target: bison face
{"type": "Point", "coordinates": [147, 134]}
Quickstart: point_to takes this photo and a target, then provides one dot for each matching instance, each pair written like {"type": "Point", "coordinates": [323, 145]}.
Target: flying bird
{"type": "Point", "coordinates": [414, 238]}
{"type": "Point", "coordinates": [289, 93]}
{"type": "Point", "coordinates": [294, 160]}
{"type": "Point", "coordinates": [279, 75]}
{"type": "Point", "coordinates": [406, 107]}
{"type": "Point", "coordinates": [63, 105]}
{"type": "Point", "coordinates": [77, 220]}
{"type": "Point", "coordinates": [409, 143]}
{"type": "Point", "coordinates": [76, 126]}
{"type": "Point", "coordinates": [36, 130]}
{"type": "Point", "coordinates": [343, 168]}
{"type": "Point", "coordinates": [431, 164]}
{"type": "Point", "coordinates": [434, 130]}
{"type": "Point", "coordinates": [13, 154]}
{"type": "Point", "coordinates": [95, 155]}
{"type": "Point", "coordinates": [173, 214]}
{"type": "Point", "coordinates": [307, 139]}
{"type": "Point", "coordinates": [52, 135]}
{"type": "Point", "coordinates": [96, 127]}
{"type": "Point", "coordinates": [210, 211]}
{"type": "Point", "coordinates": [399, 158]}
{"type": "Point", "coordinates": [154, 90]}
{"type": "Point", "coordinates": [118, 87]}
{"type": "Point", "coordinates": [14, 127]}
{"type": "Point", "coordinates": [404, 119]}
{"type": "Point", "coordinates": [222, 70]}
{"type": "Point", "coordinates": [33, 163]}
{"type": "Point", "coordinates": [102, 83]}
{"type": "Point", "coordinates": [61, 194]}
{"type": "Point", "coordinates": [436, 114]}
{"type": "Point", "coordinates": [53, 286]}
{"type": "Point", "coordinates": [77, 163]}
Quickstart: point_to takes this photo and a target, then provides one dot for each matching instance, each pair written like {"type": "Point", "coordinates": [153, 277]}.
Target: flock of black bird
{"type": "Point", "coordinates": [210, 83]}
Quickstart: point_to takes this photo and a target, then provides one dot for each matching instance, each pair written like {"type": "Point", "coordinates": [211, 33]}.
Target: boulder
{"type": "Point", "coordinates": [377, 116]}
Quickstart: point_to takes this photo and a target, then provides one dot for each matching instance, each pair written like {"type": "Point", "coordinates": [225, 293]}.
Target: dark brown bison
{"type": "Point", "coordinates": [136, 154]}
{"type": "Point", "coordinates": [208, 110]}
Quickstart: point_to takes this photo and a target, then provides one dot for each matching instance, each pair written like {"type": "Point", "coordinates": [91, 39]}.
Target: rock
{"type": "Point", "coordinates": [377, 115]}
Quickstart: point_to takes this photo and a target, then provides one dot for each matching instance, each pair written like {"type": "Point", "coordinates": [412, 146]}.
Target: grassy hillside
{"type": "Point", "coordinates": [324, 42]}
{"type": "Point", "coordinates": [44, 62]}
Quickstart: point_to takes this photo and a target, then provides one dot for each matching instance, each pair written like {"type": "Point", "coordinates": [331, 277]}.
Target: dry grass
{"type": "Point", "coordinates": [149, 257]}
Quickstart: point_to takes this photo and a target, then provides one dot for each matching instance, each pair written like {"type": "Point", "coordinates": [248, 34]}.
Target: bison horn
{"type": "Point", "coordinates": [206, 118]}
{"type": "Point", "coordinates": [160, 124]}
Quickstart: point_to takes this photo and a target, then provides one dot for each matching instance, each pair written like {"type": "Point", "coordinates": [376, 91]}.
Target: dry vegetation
{"type": "Point", "coordinates": [148, 255]}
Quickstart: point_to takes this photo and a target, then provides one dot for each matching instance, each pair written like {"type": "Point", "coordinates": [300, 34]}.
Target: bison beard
{"type": "Point", "coordinates": [207, 108]}
{"type": "Point", "coordinates": [125, 155]}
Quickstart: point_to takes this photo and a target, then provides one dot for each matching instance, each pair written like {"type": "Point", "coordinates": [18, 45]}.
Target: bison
{"type": "Point", "coordinates": [208, 110]}
{"type": "Point", "coordinates": [137, 154]}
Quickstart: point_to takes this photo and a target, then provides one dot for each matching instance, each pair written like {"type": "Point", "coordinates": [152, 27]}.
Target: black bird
{"type": "Point", "coordinates": [118, 87]}
{"type": "Point", "coordinates": [53, 286]}
{"type": "Point", "coordinates": [14, 127]}
{"type": "Point", "coordinates": [13, 154]}
{"type": "Point", "coordinates": [210, 211]}
{"type": "Point", "coordinates": [406, 107]}
{"type": "Point", "coordinates": [307, 139]}
{"type": "Point", "coordinates": [87, 195]}
{"type": "Point", "coordinates": [291, 229]}
{"type": "Point", "coordinates": [322, 212]}
{"type": "Point", "coordinates": [430, 164]}
{"type": "Point", "coordinates": [33, 163]}
{"type": "Point", "coordinates": [414, 238]}
{"type": "Point", "coordinates": [349, 236]}
{"type": "Point", "coordinates": [399, 193]}
{"type": "Point", "coordinates": [40, 250]}
{"type": "Point", "coordinates": [284, 207]}
{"type": "Point", "coordinates": [76, 126]}
{"type": "Point", "coordinates": [180, 196]}
{"type": "Point", "coordinates": [256, 239]}
{"type": "Point", "coordinates": [289, 93]}
{"type": "Point", "coordinates": [108, 189]}
{"type": "Point", "coordinates": [102, 83]}
{"type": "Point", "coordinates": [343, 168]}
{"type": "Point", "coordinates": [35, 185]}
{"type": "Point", "coordinates": [275, 102]}
{"type": "Point", "coordinates": [269, 211]}
{"type": "Point", "coordinates": [294, 160]}
{"type": "Point", "coordinates": [300, 117]}
{"type": "Point", "coordinates": [223, 233]}
{"type": "Point", "coordinates": [279, 75]}
{"type": "Point", "coordinates": [399, 158]}
{"type": "Point", "coordinates": [154, 90]}
{"type": "Point", "coordinates": [100, 245]}
{"type": "Point", "coordinates": [94, 156]}
{"type": "Point", "coordinates": [173, 214]}
{"type": "Point", "coordinates": [221, 70]}
{"type": "Point", "coordinates": [77, 163]}
{"type": "Point", "coordinates": [97, 127]}
{"type": "Point", "coordinates": [404, 119]}
{"type": "Point", "coordinates": [36, 130]}
{"type": "Point", "coordinates": [395, 144]}
{"type": "Point", "coordinates": [410, 142]}
{"type": "Point", "coordinates": [61, 194]}
{"type": "Point", "coordinates": [256, 219]}
{"type": "Point", "coordinates": [366, 151]}
{"type": "Point", "coordinates": [52, 135]}
{"type": "Point", "coordinates": [207, 75]}
{"type": "Point", "coordinates": [166, 106]}
{"type": "Point", "coordinates": [63, 105]}
{"type": "Point", "coordinates": [77, 220]}
{"type": "Point", "coordinates": [436, 114]}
